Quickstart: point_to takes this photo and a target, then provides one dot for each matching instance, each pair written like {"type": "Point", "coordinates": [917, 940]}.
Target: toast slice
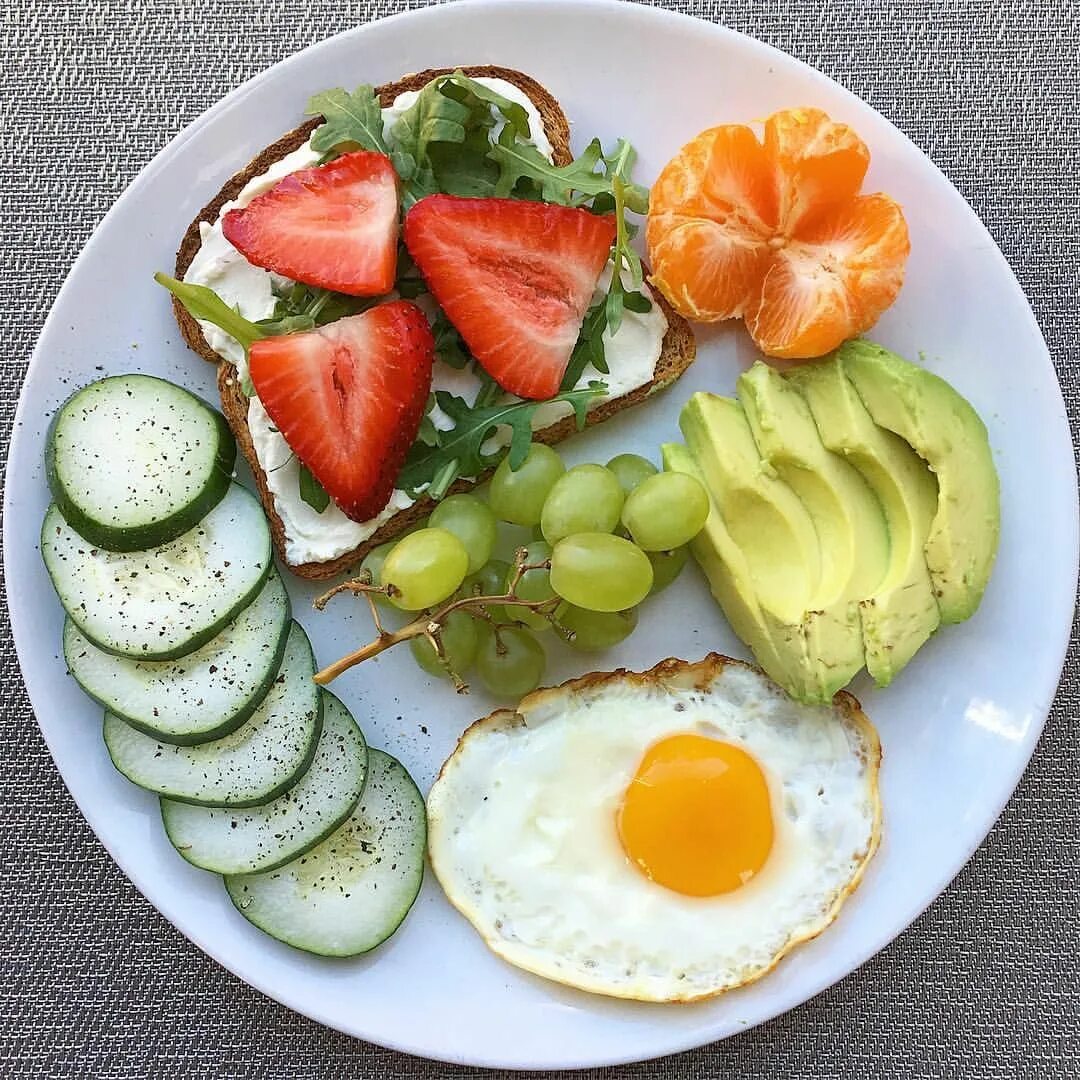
{"type": "Point", "coordinates": [676, 355]}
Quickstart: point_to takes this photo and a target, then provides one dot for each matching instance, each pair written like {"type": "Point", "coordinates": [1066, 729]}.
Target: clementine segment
{"type": "Point", "coordinates": [819, 163]}
{"type": "Point", "coordinates": [776, 232]}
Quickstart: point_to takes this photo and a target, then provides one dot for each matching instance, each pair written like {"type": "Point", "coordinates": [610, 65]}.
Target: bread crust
{"type": "Point", "coordinates": [677, 352]}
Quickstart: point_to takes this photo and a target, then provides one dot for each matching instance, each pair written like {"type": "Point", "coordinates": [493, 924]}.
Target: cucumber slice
{"type": "Point", "coordinates": [266, 837]}
{"type": "Point", "coordinates": [133, 461]}
{"type": "Point", "coordinates": [252, 765]}
{"type": "Point", "coordinates": [201, 696]}
{"type": "Point", "coordinates": [353, 890]}
{"type": "Point", "coordinates": [170, 600]}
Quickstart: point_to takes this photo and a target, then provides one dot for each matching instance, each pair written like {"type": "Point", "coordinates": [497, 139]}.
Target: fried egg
{"type": "Point", "coordinates": [663, 836]}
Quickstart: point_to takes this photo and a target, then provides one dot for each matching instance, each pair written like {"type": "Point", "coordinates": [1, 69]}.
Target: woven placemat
{"type": "Point", "coordinates": [94, 983]}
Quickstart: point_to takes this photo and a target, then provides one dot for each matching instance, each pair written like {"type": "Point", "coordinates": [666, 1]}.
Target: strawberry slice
{"type": "Point", "coordinates": [349, 397]}
{"type": "Point", "coordinates": [514, 277]}
{"type": "Point", "coordinates": [333, 226]}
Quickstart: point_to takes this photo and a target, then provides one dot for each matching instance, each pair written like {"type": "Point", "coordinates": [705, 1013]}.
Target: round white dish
{"type": "Point", "coordinates": [958, 727]}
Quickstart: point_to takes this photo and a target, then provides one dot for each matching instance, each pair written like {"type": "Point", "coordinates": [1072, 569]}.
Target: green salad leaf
{"type": "Point", "coordinates": [203, 303]}
{"type": "Point", "coordinates": [353, 121]}
{"type": "Point", "coordinates": [442, 141]}
{"type": "Point", "coordinates": [433, 118]}
{"type": "Point", "coordinates": [311, 491]}
{"type": "Point", "coordinates": [519, 161]}
{"type": "Point", "coordinates": [432, 467]}
{"type": "Point", "coordinates": [299, 307]}
{"type": "Point", "coordinates": [590, 346]}
{"type": "Point", "coordinates": [407, 280]}
{"type": "Point", "coordinates": [317, 306]}
{"type": "Point", "coordinates": [449, 346]}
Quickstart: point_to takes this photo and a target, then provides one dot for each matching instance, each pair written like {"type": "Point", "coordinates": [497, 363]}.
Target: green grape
{"type": "Point", "coordinates": [373, 562]}
{"type": "Point", "coordinates": [666, 511]}
{"type": "Point", "coordinates": [586, 499]}
{"type": "Point", "coordinates": [511, 662]}
{"type": "Point", "coordinates": [472, 522]}
{"type": "Point", "coordinates": [489, 580]}
{"type": "Point", "coordinates": [666, 567]}
{"type": "Point", "coordinates": [425, 567]}
{"type": "Point", "coordinates": [594, 631]}
{"type": "Point", "coordinates": [534, 585]}
{"type": "Point", "coordinates": [518, 495]}
{"type": "Point", "coordinates": [630, 470]}
{"type": "Point", "coordinates": [460, 638]}
{"type": "Point", "coordinates": [600, 572]}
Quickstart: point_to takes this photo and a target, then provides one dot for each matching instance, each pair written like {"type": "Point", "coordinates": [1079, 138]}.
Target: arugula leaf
{"type": "Point", "coordinates": [465, 168]}
{"type": "Point", "coordinates": [590, 346]}
{"type": "Point", "coordinates": [300, 307]}
{"type": "Point", "coordinates": [203, 303]}
{"type": "Point", "coordinates": [311, 491]}
{"type": "Point", "coordinates": [557, 183]}
{"type": "Point", "coordinates": [459, 451]}
{"type": "Point", "coordinates": [353, 121]}
{"type": "Point", "coordinates": [428, 433]}
{"type": "Point", "coordinates": [434, 117]}
{"type": "Point", "coordinates": [620, 163]}
{"type": "Point", "coordinates": [490, 391]}
{"type": "Point", "coordinates": [623, 253]}
{"type": "Point", "coordinates": [442, 142]}
{"type": "Point", "coordinates": [411, 288]}
{"type": "Point", "coordinates": [449, 347]}
{"type": "Point", "coordinates": [318, 306]}
{"type": "Point", "coordinates": [590, 175]}
{"type": "Point", "coordinates": [513, 113]}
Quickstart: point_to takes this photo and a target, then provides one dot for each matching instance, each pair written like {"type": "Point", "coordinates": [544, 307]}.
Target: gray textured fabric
{"type": "Point", "coordinates": [96, 984]}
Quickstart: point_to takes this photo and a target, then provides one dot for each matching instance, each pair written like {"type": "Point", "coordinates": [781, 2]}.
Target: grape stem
{"type": "Point", "coordinates": [428, 625]}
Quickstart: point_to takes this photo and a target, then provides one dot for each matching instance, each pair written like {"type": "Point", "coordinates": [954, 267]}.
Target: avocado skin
{"type": "Point", "coordinates": [945, 430]}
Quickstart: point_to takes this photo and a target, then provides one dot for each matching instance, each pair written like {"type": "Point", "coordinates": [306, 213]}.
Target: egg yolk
{"type": "Point", "coordinates": [696, 818]}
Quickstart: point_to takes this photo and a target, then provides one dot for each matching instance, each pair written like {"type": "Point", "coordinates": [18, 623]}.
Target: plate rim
{"type": "Point", "coordinates": [866, 947]}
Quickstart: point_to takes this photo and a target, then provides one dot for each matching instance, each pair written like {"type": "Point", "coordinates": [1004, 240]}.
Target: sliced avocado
{"type": "Point", "coordinates": [775, 536]}
{"type": "Point", "coordinates": [846, 513]}
{"type": "Point", "coordinates": [729, 577]}
{"type": "Point", "coordinates": [943, 428]}
{"type": "Point", "coordinates": [762, 514]}
{"type": "Point", "coordinates": [902, 612]}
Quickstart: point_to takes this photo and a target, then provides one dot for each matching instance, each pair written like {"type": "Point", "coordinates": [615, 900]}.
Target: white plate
{"type": "Point", "coordinates": [958, 727]}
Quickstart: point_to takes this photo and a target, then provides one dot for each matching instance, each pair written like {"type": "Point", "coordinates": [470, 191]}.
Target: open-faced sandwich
{"type": "Point", "coordinates": [408, 287]}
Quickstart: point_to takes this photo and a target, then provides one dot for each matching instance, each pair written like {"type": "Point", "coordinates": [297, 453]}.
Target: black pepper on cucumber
{"type": "Point", "coordinates": [167, 601]}
{"type": "Point", "coordinates": [198, 697]}
{"type": "Point", "coordinates": [352, 891]}
{"type": "Point", "coordinates": [230, 841]}
{"type": "Point", "coordinates": [134, 461]}
{"type": "Point", "coordinates": [254, 764]}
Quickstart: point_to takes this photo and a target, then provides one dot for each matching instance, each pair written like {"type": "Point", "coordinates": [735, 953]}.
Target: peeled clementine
{"type": "Point", "coordinates": [776, 233]}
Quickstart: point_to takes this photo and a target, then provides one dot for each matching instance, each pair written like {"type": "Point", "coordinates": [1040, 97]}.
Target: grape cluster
{"type": "Point", "coordinates": [603, 538]}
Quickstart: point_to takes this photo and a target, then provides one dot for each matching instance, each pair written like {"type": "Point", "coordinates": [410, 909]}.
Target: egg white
{"type": "Point", "coordinates": [523, 837]}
